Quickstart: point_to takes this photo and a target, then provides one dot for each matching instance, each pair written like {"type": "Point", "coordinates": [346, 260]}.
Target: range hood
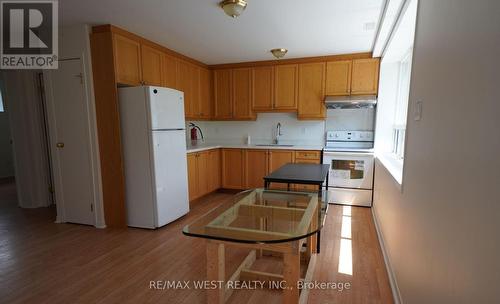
{"type": "Point", "coordinates": [350, 102]}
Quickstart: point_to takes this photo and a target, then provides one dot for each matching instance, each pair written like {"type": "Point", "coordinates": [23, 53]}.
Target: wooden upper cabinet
{"type": "Point", "coordinates": [151, 60]}
{"type": "Point", "coordinates": [365, 76]}
{"type": "Point", "coordinates": [263, 88]}
{"type": "Point", "coordinates": [205, 93]}
{"type": "Point", "coordinates": [233, 169]}
{"type": "Point", "coordinates": [256, 167]}
{"type": "Point", "coordinates": [338, 78]}
{"type": "Point", "coordinates": [285, 87]}
{"type": "Point", "coordinates": [194, 79]}
{"type": "Point", "coordinates": [311, 91]}
{"type": "Point", "coordinates": [169, 71]}
{"type": "Point", "coordinates": [242, 94]}
{"type": "Point", "coordinates": [223, 107]}
{"type": "Point", "coordinates": [183, 83]}
{"type": "Point", "coordinates": [127, 60]}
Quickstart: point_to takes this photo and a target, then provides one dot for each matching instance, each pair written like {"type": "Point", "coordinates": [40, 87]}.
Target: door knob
{"type": "Point", "coordinates": [60, 145]}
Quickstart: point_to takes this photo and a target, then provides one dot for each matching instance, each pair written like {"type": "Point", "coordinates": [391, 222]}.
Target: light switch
{"type": "Point", "coordinates": [418, 110]}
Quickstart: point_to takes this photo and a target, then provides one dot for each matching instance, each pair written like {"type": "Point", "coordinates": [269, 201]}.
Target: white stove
{"type": "Point", "coordinates": [350, 156]}
{"type": "Point", "coordinates": [356, 141]}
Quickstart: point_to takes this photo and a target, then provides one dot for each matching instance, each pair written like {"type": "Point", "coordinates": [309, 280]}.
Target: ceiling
{"type": "Point", "coordinates": [200, 29]}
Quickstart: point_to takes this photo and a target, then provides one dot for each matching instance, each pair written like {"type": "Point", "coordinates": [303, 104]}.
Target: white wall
{"type": "Point", "coordinates": [263, 129]}
{"type": "Point", "coordinates": [6, 157]}
{"type": "Point", "coordinates": [441, 230]}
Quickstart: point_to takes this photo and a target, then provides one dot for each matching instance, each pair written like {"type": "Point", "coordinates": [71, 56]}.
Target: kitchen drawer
{"type": "Point", "coordinates": [316, 155]}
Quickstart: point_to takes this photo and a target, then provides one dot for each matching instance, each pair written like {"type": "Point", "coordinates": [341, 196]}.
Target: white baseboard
{"type": "Point", "coordinates": [390, 272]}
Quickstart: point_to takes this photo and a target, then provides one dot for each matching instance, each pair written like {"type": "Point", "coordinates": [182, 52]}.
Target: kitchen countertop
{"type": "Point", "coordinates": [208, 146]}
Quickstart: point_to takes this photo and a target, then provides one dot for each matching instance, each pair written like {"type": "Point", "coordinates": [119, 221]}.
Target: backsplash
{"type": "Point", "coordinates": [263, 130]}
{"type": "Point", "coordinates": [350, 119]}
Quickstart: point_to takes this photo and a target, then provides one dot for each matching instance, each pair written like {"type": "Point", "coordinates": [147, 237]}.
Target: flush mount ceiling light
{"type": "Point", "coordinates": [233, 8]}
{"type": "Point", "coordinates": [279, 53]}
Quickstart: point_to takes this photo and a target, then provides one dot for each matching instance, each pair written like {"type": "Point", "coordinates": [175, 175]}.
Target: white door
{"type": "Point", "coordinates": [69, 142]}
{"type": "Point", "coordinates": [170, 170]}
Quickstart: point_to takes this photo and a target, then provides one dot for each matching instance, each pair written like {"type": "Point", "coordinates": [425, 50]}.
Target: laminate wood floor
{"type": "Point", "coordinates": [43, 262]}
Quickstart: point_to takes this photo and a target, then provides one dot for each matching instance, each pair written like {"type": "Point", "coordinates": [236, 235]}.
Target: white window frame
{"type": "Point", "coordinates": [401, 109]}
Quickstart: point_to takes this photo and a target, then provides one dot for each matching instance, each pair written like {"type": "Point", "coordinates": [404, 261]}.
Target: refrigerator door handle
{"type": "Point", "coordinates": [180, 129]}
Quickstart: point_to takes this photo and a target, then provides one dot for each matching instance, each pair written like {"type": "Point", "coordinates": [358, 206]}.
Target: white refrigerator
{"type": "Point", "coordinates": [154, 152]}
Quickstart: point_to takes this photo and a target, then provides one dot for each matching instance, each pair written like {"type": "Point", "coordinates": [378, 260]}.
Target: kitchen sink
{"type": "Point", "coordinates": [273, 145]}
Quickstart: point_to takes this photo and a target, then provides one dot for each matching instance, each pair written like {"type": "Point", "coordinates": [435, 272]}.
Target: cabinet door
{"type": "Point", "coordinates": [214, 171]}
{"type": "Point", "coordinates": [203, 173]}
{"type": "Point", "coordinates": [278, 158]}
{"type": "Point", "coordinates": [205, 99]}
{"type": "Point", "coordinates": [151, 60]}
{"type": "Point", "coordinates": [263, 88]}
{"type": "Point", "coordinates": [169, 70]}
{"type": "Point", "coordinates": [223, 108]}
{"type": "Point", "coordinates": [311, 91]}
{"type": "Point", "coordinates": [183, 83]}
{"type": "Point", "coordinates": [256, 167]}
{"type": "Point", "coordinates": [127, 60]}
{"type": "Point", "coordinates": [338, 78]}
{"type": "Point", "coordinates": [242, 94]}
{"type": "Point", "coordinates": [194, 73]}
{"type": "Point", "coordinates": [285, 87]}
{"type": "Point", "coordinates": [233, 169]}
{"type": "Point", "coordinates": [300, 187]}
{"type": "Point", "coordinates": [192, 176]}
{"type": "Point", "coordinates": [365, 76]}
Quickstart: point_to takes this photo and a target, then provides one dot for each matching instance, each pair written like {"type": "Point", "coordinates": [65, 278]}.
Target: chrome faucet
{"type": "Point", "coordinates": [278, 134]}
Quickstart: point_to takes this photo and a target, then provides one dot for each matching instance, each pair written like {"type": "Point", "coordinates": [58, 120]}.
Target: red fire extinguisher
{"type": "Point", "coordinates": [194, 131]}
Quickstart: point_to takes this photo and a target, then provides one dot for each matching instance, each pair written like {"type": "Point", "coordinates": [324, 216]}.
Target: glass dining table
{"type": "Point", "coordinates": [268, 222]}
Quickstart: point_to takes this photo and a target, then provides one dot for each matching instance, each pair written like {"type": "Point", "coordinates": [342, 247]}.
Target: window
{"type": "Point", "coordinates": [401, 109]}
{"type": "Point", "coordinates": [394, 93]}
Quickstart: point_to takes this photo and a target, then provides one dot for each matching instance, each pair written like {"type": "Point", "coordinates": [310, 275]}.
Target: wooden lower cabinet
{"type": "Point", "coordinates": [307, 157]}
{"type": "Point", "coordinates": [233, 169]}
{"type": "Point", "coordinates": [256, 167]}
{"type": "Point", "coordinates": [278, 158]}
{"type": "Point", "coordinates": [203, 173]}
{"type": "Point", "coordinates": [254, 164]}
{"type": "Point", "coordinates": [192, 176]}
{"type": "Point", "coordinates": [214, 170]}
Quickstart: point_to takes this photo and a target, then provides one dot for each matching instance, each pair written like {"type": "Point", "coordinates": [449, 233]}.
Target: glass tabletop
{"type": "Point", "coordinates": [262, 216]}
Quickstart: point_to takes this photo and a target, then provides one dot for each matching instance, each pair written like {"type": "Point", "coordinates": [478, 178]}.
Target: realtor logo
{"type": "Point", "coordinates": [29, 35]}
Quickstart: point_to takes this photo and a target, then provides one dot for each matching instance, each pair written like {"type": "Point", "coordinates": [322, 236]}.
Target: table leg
{"type": "Point", "coordinates": [215, 271]}
{"type": "Point", "coordinates": [318, 235]}
{"type": "Point", "coordinates": [291, 275]}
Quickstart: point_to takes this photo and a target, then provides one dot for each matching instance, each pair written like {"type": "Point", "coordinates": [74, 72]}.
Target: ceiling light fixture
{"type": "Point", "coordinates": [279, 53]}
{"type": "Point", "coordinates": [233, 8]}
